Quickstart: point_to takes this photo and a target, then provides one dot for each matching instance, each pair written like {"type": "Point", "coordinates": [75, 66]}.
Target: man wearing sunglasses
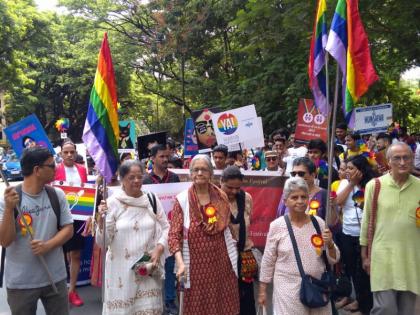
{"type": "Point", "coordinates": [272, 162]}
{"type": "Point", "coordinates": [26, 278]}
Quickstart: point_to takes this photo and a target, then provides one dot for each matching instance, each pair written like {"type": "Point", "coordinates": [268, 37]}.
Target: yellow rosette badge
{"type": "Point", "coordinates": [318, 243]}
{"type": "Point", "coordinates": [313, 207]}
{"type": "Point", "coordinates": [210, 213]}
{"type": "Point", "coordinates": [418, 217]}
{"type": "Point", "coordinates": [28, 219]}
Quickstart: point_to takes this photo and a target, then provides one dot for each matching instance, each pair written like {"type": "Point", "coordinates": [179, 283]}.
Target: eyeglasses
{"type": "Point", "coordinates": [202, 170]}
{"type": "Point", "coordinates": [202, 126]}
{"type": "Point", "coordinates": [269, 159]}
{"type": "Point", "coordinates": [299, 173]}
{"type": "Point", "coordinates": [51, 166]}
{"type": "Point", "coordinates": [405, 158]}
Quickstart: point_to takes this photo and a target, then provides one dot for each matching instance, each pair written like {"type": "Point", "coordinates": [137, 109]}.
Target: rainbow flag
{"type": "Point", "coordinates": [101, 131]}
{"type": "Point", "coordinates": [81, 200]}
{"type": "Point", "coordinates": [348, 44]}
{"type": "Point", "coordinates": [317, 59]}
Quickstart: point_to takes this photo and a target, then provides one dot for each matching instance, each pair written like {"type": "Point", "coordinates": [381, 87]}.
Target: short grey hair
{"type": "Point", "coordinates": [126, 166]}
{"type": "Point", "coordinates": [293, 184]}
{"type": "Point", "coordinates": [203, 157]}
{"type": "Point", "coordinates": [397, 144]}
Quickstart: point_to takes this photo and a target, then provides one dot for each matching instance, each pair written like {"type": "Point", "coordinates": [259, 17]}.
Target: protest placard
{"type": "Point", "coordinates": [81, 199]}
{"type": "Point", "coordinates": [127, 139]}
{"type": "Point", "coordinates": [190, 139]}
{"type": "Point", "coordinates": [27, 133]}
{"type": "Point", "coordinates": [239, 126]}
{"type": "Point", "coordinates": [204, 128]}
{"type": "Point", "coordinates": [373, 119]}
{"type": "Point", "coordinates": [311, 123]}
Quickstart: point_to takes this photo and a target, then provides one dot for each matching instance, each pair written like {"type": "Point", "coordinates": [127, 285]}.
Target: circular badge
{"type": "Point", "coordinates": [418, 213]}
{"type": "Point", "coordinates": [319, 119]}
{"type": "Point", "coordinates": [210, 211]}
{"type": "Point", "coordinates": [308, 117]}
{"type": "Point", "coordinates": [314, 204]}
{"type": "Point", "coordinates": [28, 220]}
{"type": "Point", "coordinates": [317, 240]}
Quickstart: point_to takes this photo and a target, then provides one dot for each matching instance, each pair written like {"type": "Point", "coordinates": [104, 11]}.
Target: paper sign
{"type": "Point", "coordinates": [311, 123]}
{"type": "Point", "coordinates": [127, 139]}
{"type": "Point", "coordinates": [258, 142]}
{"type": "Point", "coordinates": [373, 119]}
{"type": "Point", "coordinates": [27, 133]}
{"type": "Point", "coordinates": [237, 126]}
{"type": "Point", "coordinates": [204, 128]}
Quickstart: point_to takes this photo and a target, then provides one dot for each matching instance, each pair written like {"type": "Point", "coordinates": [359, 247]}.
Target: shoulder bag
{"type": "Point", "coordinates": [247, 264]}
{"type": "Point", "coordinates": [314, 292]}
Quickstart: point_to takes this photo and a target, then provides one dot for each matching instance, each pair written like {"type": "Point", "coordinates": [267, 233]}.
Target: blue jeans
{"type": "Point", "coordinates": [170, 278]}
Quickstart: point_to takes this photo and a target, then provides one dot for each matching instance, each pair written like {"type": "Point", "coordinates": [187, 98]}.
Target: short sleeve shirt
{"type": "Point", "coordinates": [23, 269]}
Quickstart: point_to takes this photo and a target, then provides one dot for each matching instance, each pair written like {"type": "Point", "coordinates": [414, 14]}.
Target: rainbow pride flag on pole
{"type": "Point", "coordinates": [101, 131]}
{"type": "Point", "coordinates": [348, 44]}
{"type": "Point", "coordinates": [317, 81]}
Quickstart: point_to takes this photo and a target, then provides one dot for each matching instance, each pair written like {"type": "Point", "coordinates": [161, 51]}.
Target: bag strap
{"type": "Point", "coordinates": [240, 201]}
{"type": "Point", "coordinates": [372, 219]}
{"type": "Point", "coordinates": [295, 248]}
{"type": "Point", "coordinates": [55, 203]}
{"type": "Point", "coordinates": [318, 231]}
{"type": "Point", "coordinates": [152, 200]}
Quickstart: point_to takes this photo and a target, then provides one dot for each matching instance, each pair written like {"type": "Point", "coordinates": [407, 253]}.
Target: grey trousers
{"type": "Point", "coordinates": [24, 301]}
{"type": "Point", "coordinates": [392, 302]}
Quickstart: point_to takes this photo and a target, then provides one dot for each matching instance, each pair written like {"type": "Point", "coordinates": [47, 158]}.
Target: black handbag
{"type": "Point", "coordinates": [342, 284]}
{"type": "Point", "coordinates": [314, 292]}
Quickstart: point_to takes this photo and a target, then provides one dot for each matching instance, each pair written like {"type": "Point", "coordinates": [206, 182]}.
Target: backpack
{"type": "Point", "coordinates": [55, 204]}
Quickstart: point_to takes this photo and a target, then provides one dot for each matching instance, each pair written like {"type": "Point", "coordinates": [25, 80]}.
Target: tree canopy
{"type": "Point", "coordinates": [170, 55]}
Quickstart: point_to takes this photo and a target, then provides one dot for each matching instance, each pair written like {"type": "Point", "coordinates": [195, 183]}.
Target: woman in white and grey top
{"type": "Point", "coordinates": [350, 196]}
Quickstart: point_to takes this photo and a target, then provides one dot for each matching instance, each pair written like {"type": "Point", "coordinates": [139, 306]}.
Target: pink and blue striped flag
{"type": "Point", "coordinates": [101, 131]}
{"type": "Point", "coordinates": [348, 45]}
{"type": "Point", "coordinates": [317, 59]}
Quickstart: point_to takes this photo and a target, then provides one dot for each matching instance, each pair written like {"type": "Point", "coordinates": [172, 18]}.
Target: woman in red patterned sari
{"type": "Point", "coordinates": [202, 243]}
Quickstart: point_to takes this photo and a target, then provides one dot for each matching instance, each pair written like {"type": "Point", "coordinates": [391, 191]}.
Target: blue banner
{"type": "Point", "coordinates": [190, 140]}
{"type": "Point", "coordinates": [27, 133]}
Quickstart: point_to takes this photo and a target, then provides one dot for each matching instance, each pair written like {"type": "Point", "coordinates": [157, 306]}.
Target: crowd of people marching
{"type": "Point", "coordinates": [356, 249]}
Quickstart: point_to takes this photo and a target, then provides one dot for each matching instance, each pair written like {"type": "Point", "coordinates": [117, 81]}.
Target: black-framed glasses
{"type": "Point", "coordinates": [269, 159]}
{"type": "Point", "coordinates": [298, 173]}
{"type": "Point", "coordinates": [202, 126]}
{"type": "Point", "coordinates": [51, 166]}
